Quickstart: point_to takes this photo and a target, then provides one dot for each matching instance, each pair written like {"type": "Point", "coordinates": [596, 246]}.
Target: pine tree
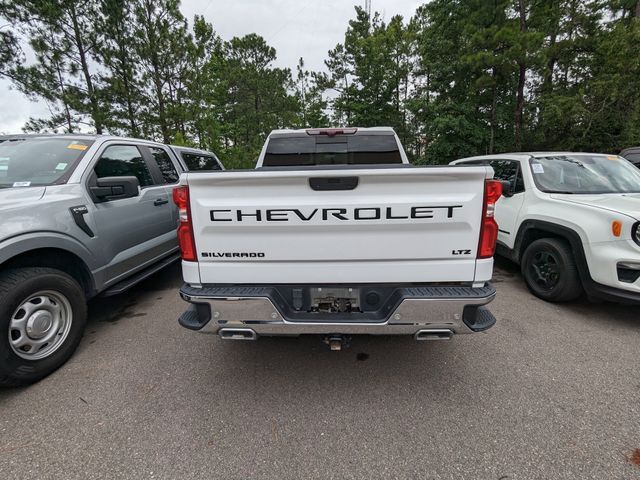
{"type": "Point", "coordinates": [123, 93]}
{"type": "Point", "coordinates": [370, 72]}
{"type": "Point", "coordinates": [309, 93]}
{"type": "Point", "coordinates": [258, 97]}
{"type": "Point", "coordinates": [60, 34]}
{"type": "Point", "coordinates": [160, 39]}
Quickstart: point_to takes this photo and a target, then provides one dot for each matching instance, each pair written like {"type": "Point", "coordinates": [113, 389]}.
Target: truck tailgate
{"type": "Point", "coordinates": [355, 225]}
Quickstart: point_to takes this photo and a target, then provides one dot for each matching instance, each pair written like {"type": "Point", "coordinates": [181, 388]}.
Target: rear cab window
{"type": "Point", "coordinates": [339, 149]}
{"type": "Point", "coordinates": [633, 157]}
{"type": "Point", "coordinates": [199, 161]}
{"type": "Point", "coordinates": [166, 166]}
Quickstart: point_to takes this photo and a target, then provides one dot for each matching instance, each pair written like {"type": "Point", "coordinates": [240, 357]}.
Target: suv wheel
{"type": "Point", "coordinates": [43, 313]}
{"type": "Point", "coordinates": [550, 271]}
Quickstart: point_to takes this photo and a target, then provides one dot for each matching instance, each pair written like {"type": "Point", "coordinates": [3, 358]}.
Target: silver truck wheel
{"type": "Point", "coordinates": [40, 325]}
{"type": "Point", "coordinates": [43, 313]}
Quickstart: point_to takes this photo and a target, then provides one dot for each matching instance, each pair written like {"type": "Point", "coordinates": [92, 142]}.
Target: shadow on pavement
{"type": "Point", "coordinates": [117, 307]}
{"type": "Point", "coordinates": [629, 315]}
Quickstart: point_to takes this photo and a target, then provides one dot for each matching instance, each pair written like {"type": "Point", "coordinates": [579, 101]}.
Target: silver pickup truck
{"type": "Point", "coordinates": [80, 216]}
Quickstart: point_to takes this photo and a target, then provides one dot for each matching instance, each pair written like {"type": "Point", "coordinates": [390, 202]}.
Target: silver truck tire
{"type": "Point", "coordinates": [43, 313]}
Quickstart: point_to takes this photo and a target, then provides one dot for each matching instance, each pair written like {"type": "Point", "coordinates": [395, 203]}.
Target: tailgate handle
{"type": "Point", "coordinates": [333, 183]}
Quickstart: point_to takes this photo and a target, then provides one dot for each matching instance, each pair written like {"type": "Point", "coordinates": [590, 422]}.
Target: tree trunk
{"type": "Point", "coordinates": [162, 119]}
{"type": "Point", "coordinates": [547, 83]}
{"type": "Point", "coordinates": [128, 86]}
{"type": "Point", "coordinates": [95, 107]}
{"type": "Point", "coordinates": [156, 73]}
{"type": "Point", "coordinates": [572, 26]}
{"type": "Point", "coordinates": [493, 120]}
{"type": "Point", "coordinates": [67, 114]}
{"type": "Point", "coordinates": [522, 78]}
{"type": "Point", "coordinates": [133, 127]}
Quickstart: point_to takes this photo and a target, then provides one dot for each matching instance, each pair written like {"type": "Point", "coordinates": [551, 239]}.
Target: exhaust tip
{"type": "Point", "coordinates": [237, 334]}
{"type": "Point", "coordinates": [434, 334]}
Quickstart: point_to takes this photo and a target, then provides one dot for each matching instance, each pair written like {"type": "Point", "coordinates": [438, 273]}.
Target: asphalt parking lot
{"type": "Point", "coordinates": [551, 392]}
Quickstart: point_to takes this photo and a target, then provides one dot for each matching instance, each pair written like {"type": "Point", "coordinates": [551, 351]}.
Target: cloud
{"type": "Point", "coordinates": [16, 108]}
{"type": "Point", "coordinates": [296, 28]}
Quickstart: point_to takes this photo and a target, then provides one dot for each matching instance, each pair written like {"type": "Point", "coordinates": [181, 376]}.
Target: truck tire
{"type": "Point", "coordinates": [550, 272]}
{"type": "Point", "coordinates": [43, 313]}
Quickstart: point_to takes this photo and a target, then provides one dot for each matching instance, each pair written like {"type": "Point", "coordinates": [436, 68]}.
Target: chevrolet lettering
{"type": "Point", "coordinates": [326, 214]}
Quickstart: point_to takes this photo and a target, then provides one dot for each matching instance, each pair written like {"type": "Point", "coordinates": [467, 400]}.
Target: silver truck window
{"type": "Point", "coordinates": [633, 158]}
{"type": "Point", "coordinates": [124, 161]}
{"type": "Point", "coordinates": [39, 160]}
{"type": "Point", "coordinates": [335, 150]}
{"type": "Point", "coordinates": [199, 161]}
{"type": "Point", "coordinates": [165, 165]}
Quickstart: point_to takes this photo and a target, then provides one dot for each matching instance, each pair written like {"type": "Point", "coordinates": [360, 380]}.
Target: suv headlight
{"type": "Point", "coordinates": [635, 233]}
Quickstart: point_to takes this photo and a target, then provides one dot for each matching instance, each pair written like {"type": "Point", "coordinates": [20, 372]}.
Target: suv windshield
{"type": "Point", "coordinates": [287, 151]}
{"type": "Point", "coordinates": [26, 162]}
{"type": "Point", "coordinates": [585, 174]}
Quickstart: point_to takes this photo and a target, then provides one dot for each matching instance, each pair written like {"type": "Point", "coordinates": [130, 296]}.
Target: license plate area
{"type": "Point", "coordinates": [337, 303]}
{"type": "Point", "coordinates": [334, 300]}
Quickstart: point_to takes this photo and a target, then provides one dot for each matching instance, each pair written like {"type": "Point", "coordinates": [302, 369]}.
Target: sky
{"type": "Point", "coordinates": [296, 28]}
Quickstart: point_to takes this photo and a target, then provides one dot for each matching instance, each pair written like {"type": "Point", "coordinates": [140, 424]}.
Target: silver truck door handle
{"type": "Point", "coordinates": [160, 201]}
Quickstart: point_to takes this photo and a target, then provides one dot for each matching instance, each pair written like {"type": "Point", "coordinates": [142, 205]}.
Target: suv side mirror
{"type": "Point", "coordinates": [115, 188]}
{"type": "Point", "coordinates": [507, 188]}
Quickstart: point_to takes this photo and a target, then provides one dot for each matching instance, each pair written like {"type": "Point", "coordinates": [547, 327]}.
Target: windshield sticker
{"type": "Point", "coordinates": [612, 157]}
{"type": "Point", "coordinates": [77, 146]}
{"type": "Point", "coordinates": [61, 166]}
{"type": "Point", "coordinates": [21, 184]}
{"type": "Point", "coordinates": [537, 168]}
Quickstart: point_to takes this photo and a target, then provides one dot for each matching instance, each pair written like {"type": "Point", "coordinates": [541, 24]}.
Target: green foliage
{"type": "Point", "coordinates": [257, 97]}
{"type": "Point", "coordinates": [525, 75]}
{"type": "Point", "coordinates": [60, 33]}
{"type": "Point", "coordinates": [308, 91]}
{"type": "Point", "coordinates": [461, 77]}
{"type": "Point", "coordinates": [369, 73]}
{"type": "Point", "coordinates": [121, 83]}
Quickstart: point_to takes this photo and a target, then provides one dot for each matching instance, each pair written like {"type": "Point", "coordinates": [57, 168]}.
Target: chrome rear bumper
{"type": "Point", "coordinates": [253, 312]}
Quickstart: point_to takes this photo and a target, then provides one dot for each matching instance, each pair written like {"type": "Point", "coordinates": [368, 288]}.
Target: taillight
{"type": "Point", "coordinates": [331, 132]}
{"type": "Point", "coordinates": [185, 229]}
{"type": "Point", "coordinates": [489, 227]}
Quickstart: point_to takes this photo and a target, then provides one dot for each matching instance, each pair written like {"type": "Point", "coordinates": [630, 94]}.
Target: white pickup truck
{"type": "Point", "coordinates": [336, 234]}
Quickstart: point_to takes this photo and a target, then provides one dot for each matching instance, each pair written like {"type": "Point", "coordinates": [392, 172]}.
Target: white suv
{"type": "Point", "coordinates": [571, 220]}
